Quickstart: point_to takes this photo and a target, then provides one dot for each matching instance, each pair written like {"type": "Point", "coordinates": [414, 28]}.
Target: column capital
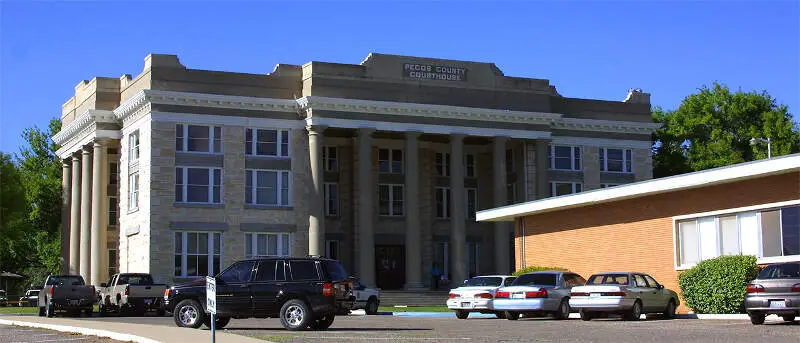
{"type": "Point", "coordinates": [315, 129]}
{"type": "Point", "coordinates": [67, 162]}
{"type": "Point", "coordinates": [457, 136]}
{"type": "Point", "coordinates": [413, 134]}
{"type": "Point", "coordinates": [501, 139]}
{"type": "Point", "coordinates": [100, 142]}
{"type": "Point", "coordinates": [86, 151]}
{"type": "Point", "coordinates": [366, 131]}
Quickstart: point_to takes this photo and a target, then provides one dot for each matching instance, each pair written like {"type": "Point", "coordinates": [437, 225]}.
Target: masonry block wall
{"type": "Point", "coordinates": [636, 234]}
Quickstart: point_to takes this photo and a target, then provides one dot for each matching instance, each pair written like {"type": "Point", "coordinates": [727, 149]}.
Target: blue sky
{"type": "Point", "coordinates": [588, 49]}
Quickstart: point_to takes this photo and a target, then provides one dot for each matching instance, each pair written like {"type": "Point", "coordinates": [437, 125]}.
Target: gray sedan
{"type": "Point", "coordinates": [627, 293]}
{"type": "Point", "coordinates": [538, 292]}
{"type": "Point", "coordinates": [776, 290]}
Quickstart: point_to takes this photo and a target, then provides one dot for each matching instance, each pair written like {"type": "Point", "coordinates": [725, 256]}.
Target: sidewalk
{"type": "Point", "coordinates": [140, 333]}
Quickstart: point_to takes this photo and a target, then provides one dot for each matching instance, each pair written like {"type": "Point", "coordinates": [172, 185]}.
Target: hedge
{"type": "Point", "coordinates": [535, 269]}
{"type": "Point", "coordinates": [718, 285]}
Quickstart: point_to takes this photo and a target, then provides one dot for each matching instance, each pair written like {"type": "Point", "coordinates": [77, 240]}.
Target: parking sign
{"type": "Point", "coordinates": [211, 294]}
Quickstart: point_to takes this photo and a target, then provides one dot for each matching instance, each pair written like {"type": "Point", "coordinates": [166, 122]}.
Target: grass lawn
{"type": "Point", "coordinates": [414, 309]}
{"type": "Point", "coordinates": [18, 310]}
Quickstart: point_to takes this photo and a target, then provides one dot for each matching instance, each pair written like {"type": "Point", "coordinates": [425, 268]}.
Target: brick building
{"type": "Point", "coordinates": [666, 225]}
{"type": "Point", "coordinates": [178, 172]}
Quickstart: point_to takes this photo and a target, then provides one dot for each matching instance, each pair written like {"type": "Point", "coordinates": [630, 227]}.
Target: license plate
{"type": "Point", "coordinates": [777, 304]}
{"type": "Point", "coordinates": [518, 296]}
{"type": "Point", "coordinates": [594, 295]}
{"type": "Point", "coordinates": [466, 304]}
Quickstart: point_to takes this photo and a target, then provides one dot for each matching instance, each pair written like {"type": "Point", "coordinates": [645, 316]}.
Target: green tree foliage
{"type": "Point", "coordinates": [718, 285]}
{"type": "Point", "coordinates": [532, 269]}
{"type": "Point", "coordinates": [713, 128]}
{"type": "Point", "coordinates": [13, 211]}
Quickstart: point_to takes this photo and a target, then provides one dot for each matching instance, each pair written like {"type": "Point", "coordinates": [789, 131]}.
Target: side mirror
{"type": "Point", "coordinates": [660, 286]}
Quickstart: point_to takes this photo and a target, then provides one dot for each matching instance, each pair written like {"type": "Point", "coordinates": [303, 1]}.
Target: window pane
{"type": "Point", "coordinates": [216, 265]}
{"type": "Point", "coordinates": [248, 245]}
{"type": "Point", "coordinates": [563, 188]}
{"type": "Point", "coordinates": [272, 245]}
{"type": "Point", "coordinates": [304, 270]}
{"type": "Point", "coordinates": [577, 158]}
{"type": "Point", "coordinates": [261, 250]}
{"type": "Point", "coordinates": [383, 154]}
{"type": "Point", "coordinates": [748, 229]}
{"type": "Point", "coordinates": [248, 188]}
{"type": "Point", "coordinates": [239, 273]}
{"type": "Point", "coordinates": [202, 243]}
{"type": "Point", "coordinates": [191, 240]}
{"type": "Point", "coordinates": [285, 188]}
{"type": "Point", "coordinates": [708, 238]}
{"type": "Point", "coordinates": [197, 194]}
{"type": "Point", "coordinates": [284, 143]}
{"type": "Point", "coordinates": [614, 157]}
{"type": "Point", "coordinates": [628, 160]}
{"type": "Point", "coordinates": [217, 186]}
{"type": "Point", "coordinates": [217, 139]}
{"type": "Point", "coordinates": [383, 199]}
{"type": "Point", "coordinates": [248, 142]}
{"type": "Point", "coordinates": [197, 176]}
{"type": "Point", "coordinates": [191, 265]}
{"type": "Point", "coordinates": [202, 265]}
{"type": "Point", "coordinates": [178, 137]}
{"type": "Point", "coordinates": [790, 227]}
{"type": "Point", "coordinates": [178, 265]}
{"type": "Point", "coordinates": [563, 158]}
{"type": "Point", "coordinates": [179, 184]}
{"type": "Point", "coordinates": [217, 243]}
{"type": "Point", "coordinates": [267, 142]}
{"type": "Point", "coordinates": [198, 138]}
{"type": "Point", "coordinates": [770, 234]}
{"type": "Point", "coordinates": [280, 271]}
{"type": "Point", "coordinates": [730, 235]}
{"type": "Point", "coordinates": [178, 242]}
{"type": "Point", "coordinates": [688, 242]}
{"type": "Point", "coordinates": [266, 271]}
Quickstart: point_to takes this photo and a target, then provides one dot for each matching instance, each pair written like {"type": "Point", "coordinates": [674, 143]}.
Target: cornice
{"type": "Point", "coordinates": [82, 123]}
{"type": "Point", "coordinates": [605, 125]}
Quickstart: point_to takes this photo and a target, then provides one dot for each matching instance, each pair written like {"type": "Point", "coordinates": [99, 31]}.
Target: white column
{"type": "Point", "coordinates": [413, 237]}
{"type": "Point", "coordinates": [501, 229]}
{"type": "Point", "coordinates": [66, 183]}
{"type": "Point", "coordinates": [98, 251]}
{"type": "Point", "coordinates": [316, 219]}
{"type": "Point", "coordinates": [366, 238]}
{"type": "Point", "coordinates": [86, 207]}
{"type": "Point", "coordinates": [458, 239]}
{"type": "Point", "coordinates": [75, 218]}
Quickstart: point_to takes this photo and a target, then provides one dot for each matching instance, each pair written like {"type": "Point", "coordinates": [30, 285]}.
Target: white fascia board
{"type": "Point", "coordinates": [644, 188]}
{"type": "Point", "coordinates": [433, 129]}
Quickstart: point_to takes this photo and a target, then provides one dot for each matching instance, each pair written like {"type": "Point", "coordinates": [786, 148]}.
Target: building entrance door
{"type": "Point", "coordinates": [390, 266]}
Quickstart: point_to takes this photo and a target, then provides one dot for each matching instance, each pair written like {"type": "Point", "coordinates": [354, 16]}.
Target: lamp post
{"type": "Point", "coordinates": [753, 141]}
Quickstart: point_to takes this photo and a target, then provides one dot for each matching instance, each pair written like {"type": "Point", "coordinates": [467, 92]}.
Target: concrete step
{"type": "Point", "coordinates": [414, 298]}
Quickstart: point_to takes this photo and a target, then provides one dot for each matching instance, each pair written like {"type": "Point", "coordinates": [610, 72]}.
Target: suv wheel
{"type": "Point", "coordinates": [322, 323]}
{"type": "Point", "coordinates": [295, 315]}
{"type": "Point", "coordinates": [189, 314]}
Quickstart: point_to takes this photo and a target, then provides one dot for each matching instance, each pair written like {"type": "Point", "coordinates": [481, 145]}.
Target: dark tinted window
{"type": "Point", "coordinates": [509, 281]}
{"type": "Point", "coordinates": [334, 270]}
{"type": "Point", "coordinates": [68, 280]}
{"type": "Point", "coordinates": [608, 279]}
{"type": "Point", "coordinates": [781, 271]}
{"type": "Point", "coordinates": [135, 279]}
{"type": "Point", "coordinates": [544, 279]}
{"type": "Point", "coordinates": [237, 273]}
{"type": "Point", "coordinates": [280, 271]}
{"type": "Point", "coordinates": [304, 270]}
{"type": "Point", "coordinates": [483, 281]}
{"type": "Point", "coordinates": [266, 270]}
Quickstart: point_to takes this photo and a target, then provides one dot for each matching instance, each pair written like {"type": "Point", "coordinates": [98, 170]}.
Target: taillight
{"type": "Point", "coordinates": [453, 296]}
{"type": "Point", "coordinates": [483, 296]}
{"type": "Point", "coordinates": [127, 290]}
{"type": "Point", "coordinates": [52, 290]}
{"type": "Point", "coordinates": [327, 289]}
{"type": "Point", "coordinates": [579, 294]}
{"type": "Point", "coordinates": [796, 287]}
{"type": "Point", "coordinates": [755, 288]}
{"type": "Point", "coordinates": [542, 293]}
{"type": "Point", "coordinates": [499, 295]}
{"type": "Point", "coordinates": [614, 294]}
{"type": "Point", "coordinates": [166, 293]}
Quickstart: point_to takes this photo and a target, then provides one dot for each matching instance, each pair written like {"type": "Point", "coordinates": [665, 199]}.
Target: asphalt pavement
{"type": "Point", "coordinates": [438, 329]}
{"type": "Point", "coordinates": [20, 334]}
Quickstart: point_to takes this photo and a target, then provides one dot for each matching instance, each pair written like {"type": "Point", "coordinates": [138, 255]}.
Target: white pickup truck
{"type": "Point", "coordinates": [131, 293]}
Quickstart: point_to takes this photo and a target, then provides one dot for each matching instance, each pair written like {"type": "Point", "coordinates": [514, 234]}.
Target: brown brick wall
{"type": "Point", "coordinates": [637, 234]}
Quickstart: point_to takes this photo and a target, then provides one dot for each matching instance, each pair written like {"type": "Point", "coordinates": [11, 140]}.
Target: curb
{"type": "Point", "coordinates": [571, 315]}
{"type": "Point", "coordinates": [83, 331]}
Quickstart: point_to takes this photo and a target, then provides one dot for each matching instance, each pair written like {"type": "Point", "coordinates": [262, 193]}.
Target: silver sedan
{"type": "Point", "coordinates": [776, 290]}
{"type": "Point", "coordinates": [538, 293]}
{"type": "Point", "coordinates": [627, 293]}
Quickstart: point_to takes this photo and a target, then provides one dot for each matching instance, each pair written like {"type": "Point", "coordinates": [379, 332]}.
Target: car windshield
{"type": "Point", "coordinates": [608, 279]}
{"type": "Point", "coordinates": [67, 280]}
{"type": "Point", "coordinates": [781, 271]}
{"type": "Point", "coordinates": [135, 279]}
{"type": "Point", "coordinates": [483, 281]}
{"type": "Point", "coordinates": [543, 279]}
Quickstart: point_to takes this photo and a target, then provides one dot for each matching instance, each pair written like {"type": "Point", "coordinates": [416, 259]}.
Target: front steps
{"type": "Point", "coordinates": [414, 298]}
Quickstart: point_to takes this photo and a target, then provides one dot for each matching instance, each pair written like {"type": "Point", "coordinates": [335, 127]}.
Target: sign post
{"type": "Point", "coordinates": [211, 303]}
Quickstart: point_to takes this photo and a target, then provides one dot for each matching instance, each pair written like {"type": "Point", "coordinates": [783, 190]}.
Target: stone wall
{"type": "Point", "coordinates": [642, 164]}
{"type": "Point", "coordinates": [591, 167]}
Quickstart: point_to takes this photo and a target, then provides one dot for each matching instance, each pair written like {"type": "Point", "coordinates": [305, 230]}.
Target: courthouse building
{"type": "Point", "coordinates": [179, 172]}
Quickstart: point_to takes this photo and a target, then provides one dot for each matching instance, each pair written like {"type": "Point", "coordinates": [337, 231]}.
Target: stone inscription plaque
{"type": "Point", "coordinates": [434, 72]}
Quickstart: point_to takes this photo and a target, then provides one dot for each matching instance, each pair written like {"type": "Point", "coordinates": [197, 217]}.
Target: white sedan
{"type": "Point", "coordinates": [477, 294]}
{"type": "Point", "coordinates": [627, 293]}
{"type": "Point", "coordinates": [367, 298]}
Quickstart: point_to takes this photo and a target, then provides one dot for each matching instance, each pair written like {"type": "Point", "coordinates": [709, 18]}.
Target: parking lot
{"type": "Point", "coordinates": [438, 329]}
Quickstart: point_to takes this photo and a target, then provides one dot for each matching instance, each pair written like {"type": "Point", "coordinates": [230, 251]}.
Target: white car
{"type": "Point", "coordinates": [367, 298]}
{"type": "Point", "coordinates": [477, 295]}
{"type": "Point", "coordinates": [626, 293]}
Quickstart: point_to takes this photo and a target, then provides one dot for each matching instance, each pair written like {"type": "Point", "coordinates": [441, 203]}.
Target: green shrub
{"type": "Point", "coordinates": [535, 269]}
{"type": "Point", "coordinates": [718, 285]}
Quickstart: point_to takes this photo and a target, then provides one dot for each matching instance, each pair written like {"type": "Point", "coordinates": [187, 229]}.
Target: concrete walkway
{"type": "Point", "coordinates": [140, 333]}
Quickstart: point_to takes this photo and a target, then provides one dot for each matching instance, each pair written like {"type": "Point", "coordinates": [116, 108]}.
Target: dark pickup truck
{"type": "Point", "coordinates": [66, 293]}
{"type": "Point", "coordinates": [304, 292]}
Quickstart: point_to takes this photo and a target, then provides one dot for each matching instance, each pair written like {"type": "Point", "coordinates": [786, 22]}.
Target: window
{"type": "Point", "coordinates": [133, 147]}
{"type": "Point", "coordinates": [473, 258]}
{"type": "Point", "coordinates": [267, 187]}
{"type": "Point", "coordinates": [608, 185]}
{"type": "Point", "coordinates": [564, 188]}
{"type": "Point", "coordinates": [112, 262]}
{"type": "Point", "coordinates": [331, 199]}
{"type": "Point", "coordinates": [651, 281]}
{"type": "Point", "coordinates": [112, 151]}
{"type": "Point", "coordinates": [332, 249]}
{"type": "Point", "coordinates": [267, 270]}
{"type": "Point", "coordinates": [133, 192]}
{"type": "Point", "coordinates": [509, 160]}
{"type": "Point", "coordinates": [390, 161]}
{"type": "Point", "coordinates": [267, 244]}
{"type": "Point", "coordinates": [198, 138]}
{"type": "Point", "coordinates": [238, 273]}
{"type": "Point", "coordinates": [442, 202]}
{"type": "Point", "coordinates": [469, 161]}
{"type": "Point", "coordinates": [390, 200]}
{"type": "Point", "coordinates": [267, 142]}
{"type": "Point", "coordinates": [616, 160]}
{"type": "Point", "coordinates": [330, 158]}
{"type": "Point", "coordinates": [764, 234]}
{"type": "Point", "coordinates": [472, 202]}
{"type": "Point", "coordinates": [113, 173]}
{"type": "Point", "coordinates": [511, 193]}
{"type": "Point", "coordinates": [562, 157]}
{"type": "Point", "coordinates": [112, 213]}
{"type": "Point", "coordinates": [198, 185]}
{"type": "Point", "coordinates": [304, 270]}
{"type": "Point", "coordinates": [197, 253]}
{"type": "Point", "coordinates": [442, 164]}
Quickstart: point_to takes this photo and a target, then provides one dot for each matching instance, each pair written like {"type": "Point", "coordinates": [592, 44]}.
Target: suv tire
{"type": "Point", "coordinates": [296, 315]}
{"type": "Point", "coordinates": [219, 322]}
{"type": "Point", "coordinates": [189, 314]}
{"type": "Point", "coordinates": [323, 323]}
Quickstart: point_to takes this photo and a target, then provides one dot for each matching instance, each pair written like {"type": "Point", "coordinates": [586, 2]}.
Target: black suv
{"type": "Point", "coordinates": [304, 292]}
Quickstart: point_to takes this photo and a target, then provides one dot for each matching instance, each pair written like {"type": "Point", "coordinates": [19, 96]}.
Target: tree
{"type": "Point", "coordinates": [713, 128]}
{"type": "Point", "coordinates": [12, 213]}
